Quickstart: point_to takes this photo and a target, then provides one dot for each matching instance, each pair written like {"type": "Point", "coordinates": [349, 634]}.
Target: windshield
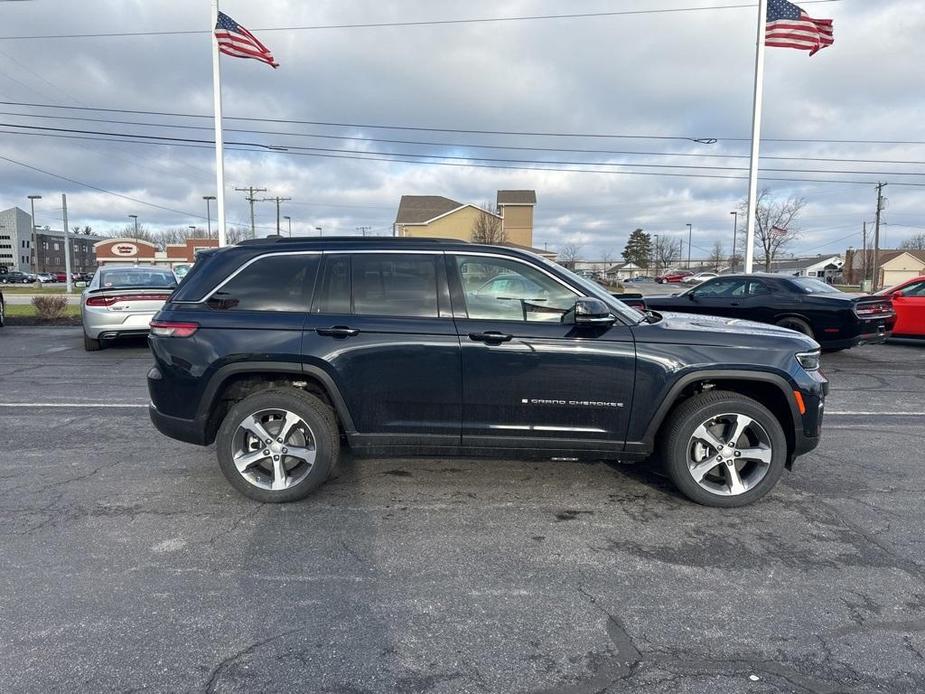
{"type": "Point", "coordinates": [131, 278]}
{"type": "Point", "coordinates": [594, 289]}
{"type": "Point", "coordinates": [808, 285]}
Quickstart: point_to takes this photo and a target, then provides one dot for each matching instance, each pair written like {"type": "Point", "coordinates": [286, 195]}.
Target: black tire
{"type": "Point", "coordinates": [321, 421]}
{"type": "Point", "coordinates": [91, 345]}
{"type": "Point", "coordinates": [688, 416]}
{"type": "Point", "coordinates": [798, 324]}
{"type": "Point", "coordinates": [2, 313]}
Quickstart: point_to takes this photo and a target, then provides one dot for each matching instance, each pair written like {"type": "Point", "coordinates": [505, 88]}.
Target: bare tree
{"type": "Point", "coordinates": [667, 252]}
{"type": "Point", "coordinates": [776, 224]}
{"type": "Point", "coordinates": [916, 243]}
{"type": "Point", "coordinates": [567, 255]}
{"type": "Point", "coordinates": [487, 226]}
{"type": "Point", "coordinates": [718, 256]}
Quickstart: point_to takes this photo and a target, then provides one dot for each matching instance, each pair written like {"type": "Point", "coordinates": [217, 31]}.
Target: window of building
{"type": "Point", "coordinates": [393, 284]}
{"type": "Point", "coordinates": [502, 289]}
{"type": "Point", "coordinates": [274, 283]}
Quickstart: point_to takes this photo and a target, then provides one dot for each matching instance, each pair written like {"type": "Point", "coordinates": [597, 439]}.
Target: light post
{"type": "Point", "coordinates": [655, 254]}
{"type": "Point", "coordinates": [690, 237]}
{"type": "Point", "coordinates": [735, 232]}
{"type": "Point", "coordinates": [192, 228]}
{"type": "Point", "coordinates": [34, 256]}
{"type": "Point", "coordinates": [134, 217]}
{"type": "Point", "coordinates": [209, 199]}
{"type": "Point", "coordinates": [320, 231]}
{"type": "Point", "coordinates": [289, 222]}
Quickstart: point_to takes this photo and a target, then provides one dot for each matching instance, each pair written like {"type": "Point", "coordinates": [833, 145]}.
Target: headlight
{"type": "Point", "coordinates": [809, 360]}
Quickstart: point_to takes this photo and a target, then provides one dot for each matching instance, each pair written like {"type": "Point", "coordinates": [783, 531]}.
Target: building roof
{"type": "Point", "coordinates": [516, 197]}
{"type": "Point", "coordinates": [418, 209]}
{"type": "Point", "coordinates": [885, 256]}
{"type": "Point", "coordinates": [804, 263]}
{"type": "Point", "coordinates": [537, 251]}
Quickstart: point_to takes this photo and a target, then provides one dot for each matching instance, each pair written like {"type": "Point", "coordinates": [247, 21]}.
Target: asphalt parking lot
{"type": "Point", "coordinates": [128, 563]}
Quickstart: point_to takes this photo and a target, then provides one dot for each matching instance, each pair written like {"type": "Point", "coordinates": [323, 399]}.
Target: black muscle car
{"type": "Point", "coordinates": [835, 319]}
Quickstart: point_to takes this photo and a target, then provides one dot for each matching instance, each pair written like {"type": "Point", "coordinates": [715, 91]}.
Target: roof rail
{"type": "Point", "coordinates": [273, 238]}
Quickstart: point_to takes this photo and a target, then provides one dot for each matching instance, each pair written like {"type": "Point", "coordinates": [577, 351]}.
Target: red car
{"type": "Point", "coordinates": [59, 276]}
{"type": "Point", "coordinates": [673, 276]}
{"type": "Point", "coordinates": [909, 305]}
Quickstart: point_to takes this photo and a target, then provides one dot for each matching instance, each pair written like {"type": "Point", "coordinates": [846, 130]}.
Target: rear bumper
{"type": "Point", "coordinates": [187, 430]}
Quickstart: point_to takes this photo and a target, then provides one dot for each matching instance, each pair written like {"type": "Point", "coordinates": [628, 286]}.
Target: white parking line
{"type": "Point", "coordinates": [877, 414]}
{"type": "Point", "coordinates": [79, 405]}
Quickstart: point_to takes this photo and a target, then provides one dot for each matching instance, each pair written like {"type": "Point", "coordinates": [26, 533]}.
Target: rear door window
{"type": "Point", "coordinates": [273, 283]}
{"type": "Point", "coordinates": [395, 284]}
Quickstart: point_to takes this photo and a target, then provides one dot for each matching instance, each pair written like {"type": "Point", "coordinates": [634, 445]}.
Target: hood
{"type": "Point", "coordinates": [732, 331]}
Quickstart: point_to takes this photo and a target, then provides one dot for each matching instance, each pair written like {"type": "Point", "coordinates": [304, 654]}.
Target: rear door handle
{"type": "Point", "coordinates": [338, 331]}
{"type": "Point", "coordinates": [491, 337]}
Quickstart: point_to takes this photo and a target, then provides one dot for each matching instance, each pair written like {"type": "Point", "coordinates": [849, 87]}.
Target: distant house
{"type": "Point", "coordinates": [624, 271]}
{"type": "Point", "coordinates": [896, 266]}
{"type": "Point", "coordinates": [438, 217]}
{"type": "Point", "coordinates": [823, 267]}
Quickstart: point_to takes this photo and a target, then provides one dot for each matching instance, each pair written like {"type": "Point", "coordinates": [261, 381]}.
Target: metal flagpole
{"type": "Point", "coordinates": [756, 137]}
{"type": "Point", "coordinates": [219, 144]}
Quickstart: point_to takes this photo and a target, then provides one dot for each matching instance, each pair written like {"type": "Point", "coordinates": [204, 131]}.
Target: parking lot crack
{"type": "Point", "coordinates": [217, 672]}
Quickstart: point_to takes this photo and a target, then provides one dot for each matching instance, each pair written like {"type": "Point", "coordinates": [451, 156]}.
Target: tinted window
{"type": "Point", "coordinates": [275, 283]}
{"type": "Point", "coordinates": [758, 288]}
{"type": "Point", "coordinates": [808, 285]}
{"type": "Point", "coordinates": [130, 278]}
{"type": "Point", "coordinates": [720, 288]}
{"type": "Point", "coordinates": [334, 292]}
{"type": "Point", "coordinates": [501, 289]}
{"type": "Point", "coordinates": [914, 289]}
{"type": "Point", "coordinates": [395, 284]}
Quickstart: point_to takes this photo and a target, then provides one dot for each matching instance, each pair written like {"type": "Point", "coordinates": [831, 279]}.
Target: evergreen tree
{"type": "Point", "coordinates": [638, 248]}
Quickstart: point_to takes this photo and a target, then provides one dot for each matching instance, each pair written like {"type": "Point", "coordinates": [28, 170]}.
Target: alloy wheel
{"type": "Point", "coordinates": [274, 449]}
{"type": "Point", "coordinates": [729, 454]}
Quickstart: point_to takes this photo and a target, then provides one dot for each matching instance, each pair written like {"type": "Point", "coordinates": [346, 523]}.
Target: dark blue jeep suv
{"type": "Point", "coordinates": [278, 350]}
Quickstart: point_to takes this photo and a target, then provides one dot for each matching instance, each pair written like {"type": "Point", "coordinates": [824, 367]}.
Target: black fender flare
{"type": "Point", "coordinates": [291, 369]}
{"type": "Point", "coordinates": [780, 382]}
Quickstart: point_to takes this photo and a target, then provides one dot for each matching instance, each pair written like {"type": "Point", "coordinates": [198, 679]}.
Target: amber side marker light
{"type": "Point", "coordinates": [798, 396]}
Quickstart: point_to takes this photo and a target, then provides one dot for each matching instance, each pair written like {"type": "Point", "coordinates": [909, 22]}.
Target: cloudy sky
{"type": "Point", "coordinates": [663, 78]}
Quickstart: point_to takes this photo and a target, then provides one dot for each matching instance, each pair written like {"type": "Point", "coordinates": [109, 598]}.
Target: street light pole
{"type": "Point", "coordinates": [289, 221]}
{"type": "Point", "coordinates": [34, 257]}
{"type": "Point", "coordinates": [209, 199]}
{"type": "Point", "coordinates": [134, 217]}
{"type": "Point", "coordinates": [690, 237]}
{"type": "Point", "coordinates": [735, 232]}
{"type": "Point", "coordinates": [655, 254]}
{"type": "Point", "coordinates": [320, 231]}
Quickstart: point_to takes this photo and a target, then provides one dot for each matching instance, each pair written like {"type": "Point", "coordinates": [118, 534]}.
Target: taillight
{"type": "Point", "coordinates": [119, 298]}
{"type": "Point", "coordinates": [166, 328]}
{"type": "Point", "coordinates": [869, 310]}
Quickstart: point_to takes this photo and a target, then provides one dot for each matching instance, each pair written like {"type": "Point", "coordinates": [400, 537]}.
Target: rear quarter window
{"type": "Point", "coordinates": [272, 283]}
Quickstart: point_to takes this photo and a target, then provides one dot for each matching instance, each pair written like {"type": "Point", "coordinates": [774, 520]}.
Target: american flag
{"type": "Point", "coordinates": [791, 27]}
{"type": "Point", "coordinates": [236, 41]}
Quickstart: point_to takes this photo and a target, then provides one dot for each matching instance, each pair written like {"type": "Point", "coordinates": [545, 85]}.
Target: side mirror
{"type": "Point", "coordinates": [588, 311]}
{"type": "Point", "coordinates": [898, 294]}
{"type": "Point", "coordinates": [691, 297]}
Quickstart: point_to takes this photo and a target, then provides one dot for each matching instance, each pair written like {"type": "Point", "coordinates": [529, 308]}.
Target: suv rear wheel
{"type": "Point", "coordinates": [278, 445]}
{"type": "Point", "coordinates": [724, 449]}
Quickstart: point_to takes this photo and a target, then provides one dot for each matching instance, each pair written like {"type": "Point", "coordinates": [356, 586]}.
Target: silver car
{"type": "Point", "coordinates": [120, 301]}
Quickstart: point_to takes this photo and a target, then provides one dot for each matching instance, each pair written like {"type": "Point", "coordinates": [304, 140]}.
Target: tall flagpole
{"type": "Point", "coordinates": [756, 137]}
{"type": "Point", "coordinates": [219, 141]}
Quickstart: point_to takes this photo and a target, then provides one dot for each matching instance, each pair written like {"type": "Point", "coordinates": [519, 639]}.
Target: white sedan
{"type": "Point", "coordinates": [699, 277]}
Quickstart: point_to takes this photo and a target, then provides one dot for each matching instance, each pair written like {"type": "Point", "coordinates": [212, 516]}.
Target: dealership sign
{"type": "Point", "coordinates": [125, 250]}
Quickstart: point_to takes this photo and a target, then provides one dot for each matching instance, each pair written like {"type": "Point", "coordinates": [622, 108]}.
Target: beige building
{"type": "Point", "coordinates": [435, 216]}
{"type": "Point", "coordinates": [905, 265]}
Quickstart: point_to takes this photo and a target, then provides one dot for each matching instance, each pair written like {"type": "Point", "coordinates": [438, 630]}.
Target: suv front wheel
{"type": "Point", "coordinates": [724, 449]}
{"type": "Point", "coordinates": [278, 445]}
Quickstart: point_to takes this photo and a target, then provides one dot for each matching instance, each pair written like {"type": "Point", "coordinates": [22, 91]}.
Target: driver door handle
{"type": "Point", "coordinates": [338, 331]}
{"type": "Point", "coordinates": [491, 337]}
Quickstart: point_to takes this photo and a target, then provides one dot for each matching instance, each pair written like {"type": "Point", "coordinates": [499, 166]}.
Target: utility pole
{"type": "Point", "coordinates": [690, 239]}
{"type": "Point", "coordinates": [67, 245]}
{"type": "Point", "coordinates": [363, 230]}
{"type": "Point", "coordinates": [655, 255]}
{"type": "Point", "coordinates": [735, 232]}
{"type": "Point", "coordinates": [277, 200]}
{"type": "Point", "coordinates": [250, 190]}
{"type": "Point", "coordinates": [209, 199]}
{"type": "Point", "coordinates": [34, 258]}
{"type": "Point", "coordinates": [880, 199]}
{"type": "Point", "coordinates": [864, 257]}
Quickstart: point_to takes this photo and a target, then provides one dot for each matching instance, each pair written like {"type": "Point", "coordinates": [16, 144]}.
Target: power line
{"type": "Point", "coordinates": [372, 126]}
{"type": "Point", "coordinates": [417, 23]}
{"type": "Point", "coordinates": [458, 145]}
{"type": "Point", "coordinates": [414, 155]}
{"type": "Point", "coordinates": [360, 156]}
